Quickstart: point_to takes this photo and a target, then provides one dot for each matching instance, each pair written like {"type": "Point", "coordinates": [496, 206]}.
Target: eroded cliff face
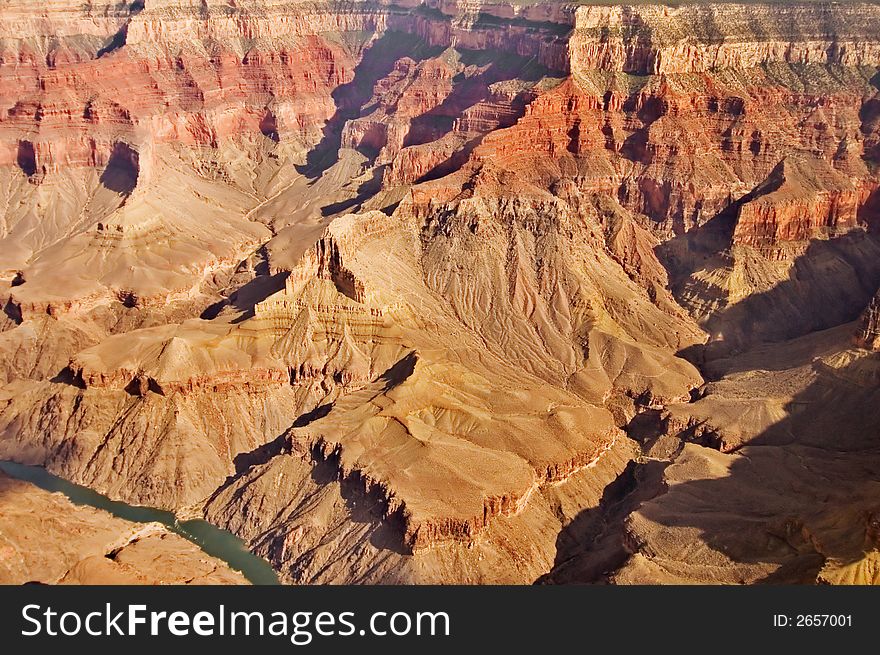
{"type": "Point", "coordinates": [415, 275]}
{"type": "Point", "coordinates": [201, 72]}
{"type": "Point", "coordinates": [869, 332]}
{"type": "Point", "coordinates": [706, 38]}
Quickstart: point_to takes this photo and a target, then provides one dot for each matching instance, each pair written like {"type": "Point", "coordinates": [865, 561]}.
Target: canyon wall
{"type": "Point", "coordinates": [405, 273]}
{"type": "Point", "coordinates": [689, 92]}
{"type": "Point", "coordinates": [148, 74]}
{"type": "Point", "coordinates": [708, 37]}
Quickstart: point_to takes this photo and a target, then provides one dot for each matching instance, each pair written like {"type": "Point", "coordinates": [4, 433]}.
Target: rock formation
{"type": "Point", "coordinates": [47, 539]}
{"type": "Point", "coordinates": [869, 331]}
{"type": "Point", "coordinates": [398, 291]}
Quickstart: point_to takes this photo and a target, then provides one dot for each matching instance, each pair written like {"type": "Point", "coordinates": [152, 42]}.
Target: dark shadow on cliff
{"type": "Point", "coordinates": [365, 191]}
{"type": "Point", "coordinates": [365, 502]}
{"type": "Point", "coordinates": [493, 66]}
{"type": "Point", "coordinates": [435, 124]}
{"type": "Point", "coordinates": [401, 371]}
{"type": "Point", "coordinates": [244, 462]}
{"type": "Point", "coordinates": [122, 170]}
{"type": "Point", "coordinates": [455, 161]}
{"type": "Point", "coordinates": [247, 296]}
{"type": "Point", "coordinates": [377, 62]}
{"type": "Point", "coordinates": [119, 39]}
{"type": "Point", "coordinates": [12, 312]}
{"type": "Point", "coordinates": [280, 445]}
{"type": "Point", "coordinates": [686, 253]}
{"type": "Point", "coordinates": [810, 476]}
{"type": "Point", "coordinates": [26, 158]}
{"type": "Point", "coordinates": [830, 284]}
{"type": "Point", "coordinates": [590, 547]}
{"type": "Point", "coordinates": [115, 43]}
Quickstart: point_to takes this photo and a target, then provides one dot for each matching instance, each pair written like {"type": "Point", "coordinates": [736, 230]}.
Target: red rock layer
{"type": "Point", "coordinates": [682, 150]}
{"type": "Point", "coordinates": [252, 379]}
{"type": "Point", "coordinates": [157, 80]}
{"type": "Point", "coordinates": [73, 115]}
{"type": "Point", "coordinates": [800, 201]}
{"type": "Point", "coordinates": [418, 534]}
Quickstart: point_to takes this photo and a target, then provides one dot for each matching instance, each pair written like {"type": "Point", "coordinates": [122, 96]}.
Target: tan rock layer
{"type": "Point", "coordinates": [422, 534]}
{"type": "Point", "coordinates": [696, 38]}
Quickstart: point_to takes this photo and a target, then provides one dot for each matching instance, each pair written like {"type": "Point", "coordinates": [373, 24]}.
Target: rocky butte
{"type": "Point", "coordinates": [447, 292]}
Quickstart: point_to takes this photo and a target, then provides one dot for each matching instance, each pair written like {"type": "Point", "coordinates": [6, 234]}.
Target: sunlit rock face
{"type": "Point", "coordinates": [407, 291]}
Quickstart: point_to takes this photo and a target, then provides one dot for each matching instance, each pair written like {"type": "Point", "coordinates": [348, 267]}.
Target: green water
{"type": "Point", "coordinates": [212, 540]}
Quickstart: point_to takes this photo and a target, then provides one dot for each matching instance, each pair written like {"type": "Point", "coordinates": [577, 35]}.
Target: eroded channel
{"type": "Point", "coordinates": [212, 540]}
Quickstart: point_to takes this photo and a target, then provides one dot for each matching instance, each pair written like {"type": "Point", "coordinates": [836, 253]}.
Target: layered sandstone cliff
{"type": "Point", "coordinates": [381, 286]}
{"type": "Point", "coordinates": [799, 201]}
{"type": "Point", "coordinates": [700, 38]}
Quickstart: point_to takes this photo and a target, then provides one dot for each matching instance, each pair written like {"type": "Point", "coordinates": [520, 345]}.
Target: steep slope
{"type": "Point", "coordinates": [392, 290]}
{"type": "Point", "coordinates": [790, 497]}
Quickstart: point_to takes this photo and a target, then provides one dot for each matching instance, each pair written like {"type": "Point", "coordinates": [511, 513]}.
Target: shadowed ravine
{"type": "Point", "coordinates": [610, 259]}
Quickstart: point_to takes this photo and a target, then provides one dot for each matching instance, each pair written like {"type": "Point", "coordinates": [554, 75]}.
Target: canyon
{"type": "Point", "coordinates": [473, 291]}
{"type": "Point", "coordinates": [47, 539]}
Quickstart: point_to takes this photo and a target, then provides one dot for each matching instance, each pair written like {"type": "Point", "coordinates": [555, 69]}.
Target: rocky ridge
{"type": "Point", "coordinates": [411, 275]}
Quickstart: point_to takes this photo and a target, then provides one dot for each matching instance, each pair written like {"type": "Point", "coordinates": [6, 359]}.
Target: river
{"type": "Point", "coordinates": [212, 540]}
